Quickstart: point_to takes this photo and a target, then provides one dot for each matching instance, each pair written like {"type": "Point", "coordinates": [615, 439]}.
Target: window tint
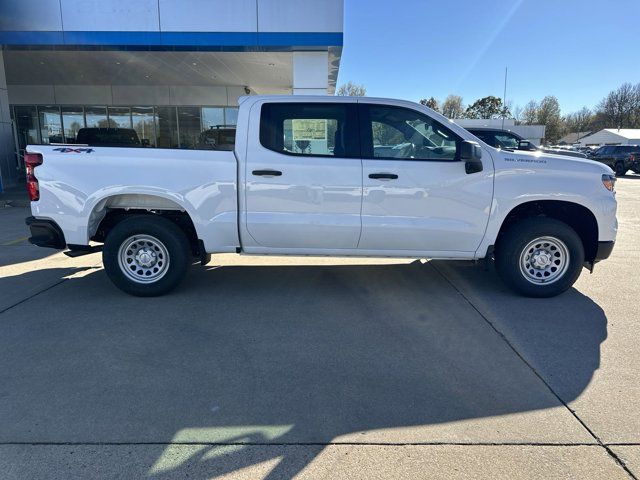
{"type": "Point", "coordinates": [507, 140]}
{"type": "Point", "coordinates": [310, 129]}
{"type": "Point", "coordinates": [486, 137]}
{"type": "Point", "coordinates": [394, 132]}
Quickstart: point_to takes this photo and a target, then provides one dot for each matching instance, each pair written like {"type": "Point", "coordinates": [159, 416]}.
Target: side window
{"type": "Point", "coordinates": [310, 129]}
{"type": "Point", "coordinates": [401, 133]}
{"type": "Point", "coordinates": [486, 137]}
{"type": "Point", "coordinates": [506, 140]}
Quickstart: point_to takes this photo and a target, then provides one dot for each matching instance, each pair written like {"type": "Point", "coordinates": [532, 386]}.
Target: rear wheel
{"type": "Point", "coordinates": [146, 255]}
{"type": "Point", "coordinates": [539, 257]}
{"type": "Point", "coordinates": [620, 169]}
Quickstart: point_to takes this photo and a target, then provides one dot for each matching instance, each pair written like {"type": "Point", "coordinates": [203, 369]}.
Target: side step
{"type": "Point", "coordinates": [80, 250]}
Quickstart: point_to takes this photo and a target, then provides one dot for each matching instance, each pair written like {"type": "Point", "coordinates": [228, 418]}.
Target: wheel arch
{"type": "Point", "coordinates": [111, 209]}
{"type": "Point", "coordinates": [577, 216]}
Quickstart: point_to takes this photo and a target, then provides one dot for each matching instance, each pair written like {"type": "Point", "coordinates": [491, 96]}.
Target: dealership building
{"type": "Point", "coordinates": [169, 69]}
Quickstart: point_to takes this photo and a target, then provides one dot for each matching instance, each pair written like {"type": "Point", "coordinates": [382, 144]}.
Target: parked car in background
{"type": "Point", "coordinates": [108, 137]}
{"type": "Point", "coordinates": [218, 137]}
{"type": "Point", "coordinates": [305, 178]}
{"type": "Point", "coordinates": [508, 140]}
{"type": "Point", "coordinates": [621, 158]}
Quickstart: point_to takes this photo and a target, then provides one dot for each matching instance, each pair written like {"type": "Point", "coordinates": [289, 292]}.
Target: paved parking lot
{"type": "Point", "coordinates": [320, 368]}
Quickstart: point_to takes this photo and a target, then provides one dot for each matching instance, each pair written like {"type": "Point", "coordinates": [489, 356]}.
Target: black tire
{"type": "Point", "coordinates": [510, 249]}
{"type": "Point", "coordinates": [620, 169]}
{"type": "Point", "coordinates": [171, 254]}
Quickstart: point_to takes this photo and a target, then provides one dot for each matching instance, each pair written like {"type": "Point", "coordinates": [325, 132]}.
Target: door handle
{"type": "Point", "coordinates": [383, 176]}
{"type": "Point", "coordinates": [267, 173]}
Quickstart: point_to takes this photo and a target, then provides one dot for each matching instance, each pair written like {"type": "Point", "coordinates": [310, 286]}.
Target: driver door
{"type": "Point", "coordinates": [417, 196]}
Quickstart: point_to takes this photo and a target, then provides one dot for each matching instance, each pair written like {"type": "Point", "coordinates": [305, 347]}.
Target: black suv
{"type": "Point", "coordinates": [621, 158]}
{"type": "Point", "coordinates": [508, 140]}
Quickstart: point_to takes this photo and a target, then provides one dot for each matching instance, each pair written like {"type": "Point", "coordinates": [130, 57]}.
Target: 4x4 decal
{"type": "Point", "coordinates": [73, 150]}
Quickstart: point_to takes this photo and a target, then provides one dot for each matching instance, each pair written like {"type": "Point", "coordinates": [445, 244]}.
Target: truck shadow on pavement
{"type": "Point", "coordinates": [282, 356]}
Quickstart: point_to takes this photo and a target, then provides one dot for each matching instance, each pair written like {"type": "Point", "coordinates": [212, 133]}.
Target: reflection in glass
{"type": "Point", "coordinates": [189, 126]}
{"type": "Point", "coordinates": [96, 117]}
{"type": "Point", "coordinates": [231, 116]}
{"type": "Point", "coordinates": [143, 124]}
{"type": "Point", "coordinates": [50, 124]}
{"type": "Point", "coordinates": [166, 127]}
{"type": "Point", "coordinates": [119, 117]}
{"type": "Point", "coordinates": [212, 117]}
{"type": "Point", "coordinates": [72, 121]}
{"type": "Point", "coordinates": [26, 119]}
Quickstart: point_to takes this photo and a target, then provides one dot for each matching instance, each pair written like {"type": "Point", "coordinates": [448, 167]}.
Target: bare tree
{"type": "Point", "coordinates": [621, 107]}
{"type": "Point", "coordinates": [517, 113]}
{"type": "Point", "coordinates": [530, 113]}
{"type": "Point", "coordinates": [452, 107]}
{"type": "Point", "coordinates": [579, 121]}
{"type": "Point", "coordinates": [351, 89]}
{"type": "Point", "coordinates": [432, 103]}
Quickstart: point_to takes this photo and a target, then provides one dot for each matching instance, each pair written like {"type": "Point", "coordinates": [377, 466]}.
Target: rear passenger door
{"type": "Point", "coordinates": [303, 179]}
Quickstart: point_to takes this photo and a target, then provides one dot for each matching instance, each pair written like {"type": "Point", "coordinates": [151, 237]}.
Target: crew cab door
{"type": "Point", "coordinates": [417, 195]}
{"type": "Point", "coordinates": [303, 178]}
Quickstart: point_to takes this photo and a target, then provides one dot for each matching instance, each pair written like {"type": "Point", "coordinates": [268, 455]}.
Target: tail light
{"type": "Point", "coordinates": [632, 157]}
{"type": "Point", "coordinates": [32, 160]}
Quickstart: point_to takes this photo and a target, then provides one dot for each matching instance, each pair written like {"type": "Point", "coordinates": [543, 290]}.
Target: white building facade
{"type": "Point", "coordinates": [612, 136]}
{"type": "Point", "coordinates": [167, 68]}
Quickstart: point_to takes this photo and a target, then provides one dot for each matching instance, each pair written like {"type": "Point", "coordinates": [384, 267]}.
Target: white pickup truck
{"type": "Point", "coordinates": [335, 176]}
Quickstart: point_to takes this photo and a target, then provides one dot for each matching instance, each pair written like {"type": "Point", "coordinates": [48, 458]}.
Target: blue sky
{"type": "Point", "coordinates": [577, 50]}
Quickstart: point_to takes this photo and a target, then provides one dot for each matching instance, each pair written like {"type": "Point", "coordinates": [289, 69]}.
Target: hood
{"type": "Point", "coordinates": [566, 153]}
{"type": "Point", "coordinates": [552, 160]}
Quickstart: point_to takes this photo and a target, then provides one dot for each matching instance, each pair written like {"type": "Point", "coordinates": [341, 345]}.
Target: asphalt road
{"type": "Point", "coordinates": [318, 368]}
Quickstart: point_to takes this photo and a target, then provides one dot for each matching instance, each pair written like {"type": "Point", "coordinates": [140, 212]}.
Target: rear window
{"type": "Point", "coordinates": [310, 129]}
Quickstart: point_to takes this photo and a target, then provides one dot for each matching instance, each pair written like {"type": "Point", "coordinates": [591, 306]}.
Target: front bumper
{"type": "Point", "coordinates": [604, 250]}
{"type": "Point", "coordinates": [45, 233]}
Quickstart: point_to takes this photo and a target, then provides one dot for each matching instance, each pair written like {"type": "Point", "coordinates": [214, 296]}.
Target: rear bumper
{"type": "Point", "coordinates": [45, 233]}
{"type": "Point", "coordinates": [604, 250]}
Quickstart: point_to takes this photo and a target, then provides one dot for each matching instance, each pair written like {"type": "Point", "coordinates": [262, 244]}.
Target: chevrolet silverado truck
{"type": "Point", "coordinates": [327, 176]}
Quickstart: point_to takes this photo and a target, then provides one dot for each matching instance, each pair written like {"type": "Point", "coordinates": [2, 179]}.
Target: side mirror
{"type": "Point", "coordinates": [471, 155]}
{"type": "Point", "coordinates": [145, 142]}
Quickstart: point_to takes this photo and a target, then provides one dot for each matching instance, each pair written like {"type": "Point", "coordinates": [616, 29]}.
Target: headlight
{"type": "Point", "coordinates": [609, 181]}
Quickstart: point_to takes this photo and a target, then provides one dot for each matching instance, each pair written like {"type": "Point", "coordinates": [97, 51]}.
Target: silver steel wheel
{"type": "Point", "coordinates": [544, 260]}
{"type": "Point", "coordinates": [143, 258]}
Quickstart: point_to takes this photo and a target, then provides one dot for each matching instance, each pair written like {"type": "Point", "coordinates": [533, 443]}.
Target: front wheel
{"type": "Point", "coordinates": [146, 255]}
{"type": "Point", "coordinates": [539, 257]}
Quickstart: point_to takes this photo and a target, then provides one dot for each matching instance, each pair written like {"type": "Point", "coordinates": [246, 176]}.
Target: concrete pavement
{"type": "Point", "coordinates": [317, 368]}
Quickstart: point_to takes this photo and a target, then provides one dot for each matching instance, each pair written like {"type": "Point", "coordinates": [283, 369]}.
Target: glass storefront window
{"type": "Point", "coordinates": [119, 117]}
{"type": "Point", "coordinates": [26, 121]}
{"type": "Point", "coordinates": [163, 127]}
{"type": "Point", "coordinates": [72, 121]}
{"type": "Point", "coordinates": [189, 126]}
{"type": "Point", "coordinates": [144, 125]}
{"type": "Point", "coordinates": [166, 127]}
{"type": "Point", "coordinates": [96, 117]}
{"type": "Point", "coordinates": [231, 116]}
{"type": "Point", "coordinates": [212, 117]}
{"type": "Point", "coordinates": [50, 124]}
